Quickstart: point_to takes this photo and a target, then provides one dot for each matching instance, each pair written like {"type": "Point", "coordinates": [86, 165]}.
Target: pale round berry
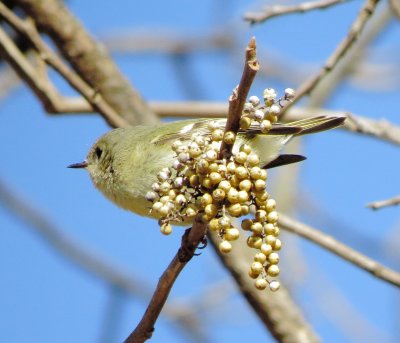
{"type": "Point", "coordinates": [211, 155]}
{"type": "Point", "coordinates": [254, 242]}
{"type": "Point", "coordinates": [213, 167]}
{"type": "Point", "coordinates": [274, 285]}
{"type": "Point", "coordinates": [255, 173]}
{"type": "Point", "coordinates": [259, 115]}
{"type": "Point", "coordinates": [245, 210]}
{"type": "Point", "coordinates": [190, 212]}
{"type": "Point", "coordinates": [256, 267]}
{"type": "Point", "coordinates": [273, 258]}
{"type": "Point", "coordinates": [243, 196]}
{"type": "Point", "coordinates": [261, 284]}
{"type": "Point", "coordinates": [273, 270]}
{"type": "Point", "coordinates": [157, 206]}
{"type": "Point", "coordinates": [271, 205]}
{"type": "Point", "coordinates": [180, 200]}
{"type": "Point", "coordinates": [211, 210]}
{"type": "Point", "coordinates": [165, 187]}
{"type": "Point", "coordinates": [245, 185]}
{"type": "Point", "coordinates": [278, 244]}
{"type": "Point", "coordinates": [273, 217]}
{"type": "Point", "coordinates": [260, 257]}
{"type": "Point", "coordinates": [164, 210]}
{"type": "Point", "coordinates": [218, 194]}
{"type": "Point", "coordinates": [155, 187]}
{"type": "Point", "coordinates": [241, 157]}
{"type": "Point", "coordinates": [151, 196]}
{"type": "Point", "coordinates": [289, 93]}
{"type": "Point", "coordinates": [235, 210]}
{"type": "Point", "coordinates": [215, 178]}
{"type": "Point", "coordinates": [200, 141]}
{"type": "Point", "coordinates": [177, 165]}
{"type": "Point", "coordinates": [245, 123]}
{"type": "Point", "coordinates": [265, 126]}
{"type": "Point", "coordinates": [269, 229]}
{"type": "Point", "coordinates": [183, 157]}
{"type": "Point", "coordinates": [217, 135]}
{"type": "Point", "coordinates": [259, 185]}
{"type": "Point", "coordinates": [254, 100]}
{"type": "Point", "coordinates": [257, 228]}
{"type": "Point", "coordinates": [206, 199]}
{"type": "Point", "coordinates": [252, 275]}
{"type": "Point", "coordinates": [270, 239]}
{"type": "Point", "coordinates": [231, 234]}
{"type": "Point", "coordinates": [241, 172]}
{"type": "Point", "coordinates": [275, 110]}
{"type": "Point", "coordinates": [176, 145]}
{"type": "Point", "coordinates": [225, 247]}
{"type": "Point", "coordinates": [195, 152]}
{"type": "Point", "coordinates": [261, 216]}
{"type": "Point", "coordinates": [246, 224]}
{"type": "Point", "coordinates": [229, 137]}
{"type": "Point", "coordinates": [206, 183]}
{"type": "Point", "coordinates": [178, 182]}
{"type": "Point", "coordinates": [194, 180]}
{"type": "Point", "coordinates": [245, 148]}
{"type": "Point", "coordinates": [225, 185]}
{"type": "Point", "coordinates": [214, 225]}
{"type": "Point", "coordinates": [232, 195]}
{"type": "Point", "coordinates": [266, 249]}
{"type": "Point", "coordinates": [231, 167]}
{"type": "Point", "coordinates": [253, 160]}
{"type": "Point", "coordinates": [269, 94]}
{"type": "Point", "coordinates": [225, 222]}
{"type": "Point", "coordinates": [166, 229]}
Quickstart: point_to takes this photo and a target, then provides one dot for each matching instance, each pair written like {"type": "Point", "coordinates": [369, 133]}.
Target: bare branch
{"type": "Point", "coordinates": [395, 6]}
{"type": "Point", "coordinates": [239, 96]}
{"type": "Point", "coordinates": [190, 240]}
{"type": "Point", "coordinates": [341, 250]}
{"type": "Point", "coordinates": [88, 58]}
{"type": "Point", "coordinates": [355, 30]}
{"type": "Point", "coordinates": [376, 205]}
{"type": "Point", "coordinates": [277, 10]}
{"type": "Point", "coordinates": [27, 28]}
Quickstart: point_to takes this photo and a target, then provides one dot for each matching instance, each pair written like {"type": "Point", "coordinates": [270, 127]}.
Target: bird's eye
{"type": "Point", "coordinates": [98, 152]}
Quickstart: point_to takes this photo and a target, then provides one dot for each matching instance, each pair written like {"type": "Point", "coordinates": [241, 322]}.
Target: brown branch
{"type": "Point", "coordinates": [277, 10]}
{"type": "Point", "coordinates": [340, 249]}
{"type": "Point", "coordinates": [355, 30]}
{"type": "Point", "coordinates": [395, 7]}
{"type": "Point", "coordinates": [88, 58]}
{"type": "Point", "coordinates": [190, 240]}
{"type": "Point", "coordinates": [239, 96]}
{"type": "Point", "coordinates": [376, 205]}
{"type": "Point", "coordinates": [48, 95]}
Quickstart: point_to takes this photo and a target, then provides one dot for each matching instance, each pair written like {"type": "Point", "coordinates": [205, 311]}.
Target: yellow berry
{"type": "Point", "coordinates": [166, 229]}
{"type": "Point", "coordinates": [245, 185]}
{"type": "Point", "coordinates": [225, 185]}
{"type": "Point", "coordinates": [225, 247]}
{"type": "Point", "coordinates": [273, 270]}
{"type": "Point", "coordinates": [245, 123]}
{"type": "Point", "coordinates": [225, 222]}
{"type": "Point", "coordinates": [261, 284]}
{"type": "Point", "coordinates": [211, 210]}
{"type": "Point", "coordinates": [207, 183]}
{"type": "Point", "coordinates": [266, 249]}
{"type": "Point", "coordinates": [259, 185]}
{"type": "Point", "coordinates": [241, 157]}
{"type": "Point", "coordinates": [190, 212]}
{"type": "Point", "coordinates": [215, 178]}
{"type": "Point", "coordinates": [254, 242]}
{"type": "Point", "coordinates": [269, 229]}
{"type": "Point", "coordinates": [255, 173]}
{"type": "Point", "coordinates": [261, 216]}
{"type": "Point", "coordinates": [271, 204]}
{"type": "Point", "coordinates": [260, 257]}
{"type": "Point", "coordinates": [241, 172]}
{"type": "Point", "coordinates": [257, 228]}
{"type": "Point", "coordinates": [194, 180]}
{"type": "Point", "coordinates": [245, 210]}
{"type": "Point", "coordinates": [231, 167]}
{"type": "Point", "coordinates": [218, 194]}
{"type": "Point", "coordinates": [245, 148]}
{"type": "Point", "coordinates": [235, 210]}
{"type": "Point", "coordinates": [214, 225]}
{"type": "Point", "coordinates": [253, 160]}
{"type": "Point", "coordinates": [206, 199]}
{"type": "Point", "coordinates": [256, 267]}
{"type": "Point", "coordinates": [243, 196]}
{"type": "Point", "coordinates": [231, 234]}
{"type": "Point", "coordinates": [265, 126]}
{"type": "Point", "coordinates": [229, 137]}
{"type": "Point", "coordinates": [270, 239]}
{"type": "Point", "coordinates": [277, 245]}
{"type": "Point", "coordinates": [263, 174]}
{"type": "Point", "coordinates": [252, 275]}
{"type": "Point", "coordinates": [232, 195]}
{"type": "Point", "coordinates": [273, 258]}
{"type": "Point", "coordinates": [273, 217]}
{"type": "Point", "coordinates": [246, 224]}
{"type": "Point", "coordinates": [217, 135]}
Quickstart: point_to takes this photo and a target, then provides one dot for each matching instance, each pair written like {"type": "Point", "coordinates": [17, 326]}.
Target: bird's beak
{"type": "Point", "coordinates": [83, 164]}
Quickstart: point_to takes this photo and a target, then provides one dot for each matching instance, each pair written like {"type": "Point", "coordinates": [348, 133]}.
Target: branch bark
{"type": "Point", "coordinates": [88, 58]}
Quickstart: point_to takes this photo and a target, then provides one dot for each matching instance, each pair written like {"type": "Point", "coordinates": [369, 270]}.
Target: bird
{"type": "Point", "coordinates": [123, 163]}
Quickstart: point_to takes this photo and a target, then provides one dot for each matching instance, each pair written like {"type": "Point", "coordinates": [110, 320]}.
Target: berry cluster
{"type": "Point", "coordinates": [199, 182]}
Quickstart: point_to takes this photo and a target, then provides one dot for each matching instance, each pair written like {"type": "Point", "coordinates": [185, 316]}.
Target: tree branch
{"type": "Point", "coordinates": [355, 30]}
{"type": "Point", "coordinates": [341, 250]}
{"type": "Point", "coordinates": [277, 10]}
{"type": "Point", "coordinates": [88, 58]}
{"type": "Point", "coordinates": [376, 205]}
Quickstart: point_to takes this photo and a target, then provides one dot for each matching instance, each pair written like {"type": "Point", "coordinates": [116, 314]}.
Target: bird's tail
{"type": "Point", "coordinates": [317, 124]}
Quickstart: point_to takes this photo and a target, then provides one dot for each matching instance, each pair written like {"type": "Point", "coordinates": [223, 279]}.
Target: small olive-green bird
{"type": "Point", "coordinates": [124, 163]}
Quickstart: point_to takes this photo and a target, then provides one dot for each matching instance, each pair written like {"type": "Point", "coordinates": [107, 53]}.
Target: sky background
{"type": "Point", "coordinates": [47, 298]}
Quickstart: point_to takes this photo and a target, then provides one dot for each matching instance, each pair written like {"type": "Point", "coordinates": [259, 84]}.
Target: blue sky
{"type": "Point", "coordinates": [47, 296]}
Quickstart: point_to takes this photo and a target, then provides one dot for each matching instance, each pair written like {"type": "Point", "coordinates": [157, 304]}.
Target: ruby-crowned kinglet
{"type": "Point", "coordinates": [124, 163]}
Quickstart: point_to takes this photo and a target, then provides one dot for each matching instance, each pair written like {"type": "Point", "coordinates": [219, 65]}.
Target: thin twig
{"type": "Point", "coordinates": [89, 59]}
{"type": "Point", "coordinates": [341, 250]}
{"type": "Point", "coordinates": [376, 205]}
{"type": "Point", "coordinates": [277, 10]}
{"type": "Point", "coordinates": [190, 240]}
{"type": "Point", "coordinates": [355, 30]}
{"type": "Point", "coordinates": [239, 96]}
{"type": "Point", "coordinates": [28, 29]}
